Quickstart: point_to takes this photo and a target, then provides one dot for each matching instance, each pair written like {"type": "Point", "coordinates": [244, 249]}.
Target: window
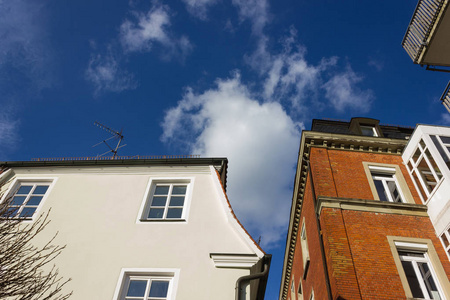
{"type": "Point", "coordinates": [141, 284]}
{"type": "Point", "coordinates": [445, 239]}
{"type": "Point", "coordinates": [386, 184]}
{"type": "Point", "coordinates": [305, 250]}
{"type": "Point", "coordinates": [368, 130]}
{"type": "Point", "coordinates": [419, 268]}
{"type": "Point", "coordinates": [300, 292]}
{"type": "Point", "coordinates": [312, 295]}
{"type": "Point", "coordinates": [442, 144]}
{"type": "Point", "coordinates": [424, 171]}
{"type": "Point", "coordinates": [25, 198]}
{"type": "Point", "coordinates": [293, 289]}
{"type": "Point", "coordinates": [167, 200]}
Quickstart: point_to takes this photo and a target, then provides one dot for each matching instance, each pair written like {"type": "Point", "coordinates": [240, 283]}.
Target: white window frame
{"type": "Point", "coordinates": [446, 234]}
{"type": "Point", "coordinates": [425, 198]}
{"type": "Point", "coordinates": [421, 249]}
{"type": "Point", "coordinates": [444, 146]}
{"type": "Point", "coordinates": [305, 249]}
{"type": "Point", "coordinates": [148, 197]}
{"type": "Point", "coordinates": [300, 290]}
{"type": "Point", "coordinates": [370, 127]}
{"type": "Point", "coordinates": [391, 172]}
{"type": "Point", "coordinates": [171, 275]}
{"type": "Point", "coordinates": [19, 181]}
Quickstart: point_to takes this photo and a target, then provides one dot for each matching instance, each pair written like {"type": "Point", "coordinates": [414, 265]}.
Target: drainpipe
{"type": "Point", "coordinates": [247, 278]}
{"type": "Point", "coordinates": [322, 248]}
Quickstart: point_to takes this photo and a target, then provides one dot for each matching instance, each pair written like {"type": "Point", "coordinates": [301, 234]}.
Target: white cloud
{"type": "Point", "coordinates": [260, 140]}
{"type": "Point", "coordinates": [342, 92]}
{"type": "Point", "coordinates": [150, 28]}
{"type": "Point", "coordinates": [199, 8]}
{"type": "Point", "coordinates": [257, 11]}
{"type": "Point", "coordinates": [8, 130]}
{"type": "Point", "coordinates": [445, 119]}
{"type": "Point", "coordinates": [106, 75]}
{"type": "Point", "coordinates": [24, 46]}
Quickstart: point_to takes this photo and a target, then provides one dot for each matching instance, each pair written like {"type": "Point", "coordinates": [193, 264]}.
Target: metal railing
{"type": "Point", "coordinates": [445, 98]}
{"type": "Point", "coordinates": [419, 28]}
{"type": "Point", "coordinates": [115, 157]}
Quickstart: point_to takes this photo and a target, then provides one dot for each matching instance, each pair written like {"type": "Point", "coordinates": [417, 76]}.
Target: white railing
{"type": "Point", "coordinates": [419, 28]}
{"type": "Point", "coordinates": [445, 98]}
{"type": "Point", "coordinates": [115, 157]}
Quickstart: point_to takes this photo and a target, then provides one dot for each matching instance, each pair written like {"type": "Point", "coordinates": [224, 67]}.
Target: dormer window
{"type": "Point", "coordinates": [368, 130]}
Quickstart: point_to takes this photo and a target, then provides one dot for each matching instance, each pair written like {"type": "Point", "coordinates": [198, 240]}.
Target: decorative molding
{"type": "Point", "coordinates": [232, 260]}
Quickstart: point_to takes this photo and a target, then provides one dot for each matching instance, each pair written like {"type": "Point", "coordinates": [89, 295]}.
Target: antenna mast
{"type": "Point", "coordinates": [115, 134]}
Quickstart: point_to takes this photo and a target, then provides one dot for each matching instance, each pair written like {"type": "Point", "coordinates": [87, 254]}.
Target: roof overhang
{"type": "Point", "coordinates": [427, 39]}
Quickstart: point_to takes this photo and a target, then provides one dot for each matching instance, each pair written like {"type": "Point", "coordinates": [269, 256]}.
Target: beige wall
{"type": "Point", "coordinates": [95, 211]}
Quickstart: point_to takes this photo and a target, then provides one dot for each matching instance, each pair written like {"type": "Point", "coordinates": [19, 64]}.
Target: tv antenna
{"type": "Point", "coordinates": [115, 135]}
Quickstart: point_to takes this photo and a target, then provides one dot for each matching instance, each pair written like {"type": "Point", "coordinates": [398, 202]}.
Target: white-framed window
{"type": "Point", "coordinates": [418, 270]}
{"type": "Point", "coordinates": [445, 239]}
{"type": "Point", "coordinates": [386, 184]}
{"type": "Point", "coordinates": [305, 249]}
{"type": "Point", "coordinates": [300, 291]}
{"type": "Point", "coordinates": [167, 200]}
{"type": "Point", "coordinates": [26, 196]}
{"type": "Point", "coordinates": [147, 284]}
{"type": "Point", "coordinates": [312, 295]}
{"type": "Point", "coordinates": [293, 289]}
{"type": "Point", "coordinates": [442, 144]}
{"type": "Point", "coordinates": [368, 130]}
{"type": "Point", "coordinates": [424, 171]}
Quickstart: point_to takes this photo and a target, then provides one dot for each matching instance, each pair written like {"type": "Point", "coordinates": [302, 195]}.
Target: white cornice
{"type": "Point", "coordinates": [231, 260]}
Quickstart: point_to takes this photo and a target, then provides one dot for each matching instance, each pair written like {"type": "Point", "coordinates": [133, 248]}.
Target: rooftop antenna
{"type": "Point", "coordinates": [115, 135]}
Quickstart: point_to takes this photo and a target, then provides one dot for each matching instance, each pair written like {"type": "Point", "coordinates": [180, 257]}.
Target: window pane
{"type": "Point", "coordinates": [27, 212]}
{"type": "Point", "coordinates": [179, 190]}
{"type": "Point", "coordinates": [174, 213]}
{"type": "Point", "coordinates": [433, 164]}
{"type": "Point", "coordinates": [34, 200]}
{"type": "Point", "coordinates": [162, 190]}
{"type": "Point", "coordinates": [419, 185]}
{"type": "Point", "coordinates": [422, 143]}
{"type": "Point", "coordinates": [440, 148]}
{"type": "Point", "coordinates": [426, 174]}
{"type": "Point", "coordinates": [24, 189]}
{"type": "Point", "coordinates": [176, 201]}
{"type": "Point", "coordinates": [412, 279]}
{"type": "Point", "coordinates": [416, 155]}
{"type": "Point", "coordinates": [159, 288]}
{"type": "Point", "coordinates": [380, 190]}
{"type": "Point", "coordinates": [445, 139]}
{"type": "Point", "coordinates": [159, 201]}
{"type": "Point", "coordinates": [156, 213]}
{"type": "Point", "coordinates": [18, 200]}
{"type": "Point", "coordinates": [11, 212]}
{"type": "Point", "coordinates": [137, 288]}
{"type": "Point", "coordinates": [40, 189]}
{"type": "Point", "coordinates": [445, 240]}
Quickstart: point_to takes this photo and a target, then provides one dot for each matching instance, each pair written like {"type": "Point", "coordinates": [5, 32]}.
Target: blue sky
{"type": "Point", "coordinates": [236, 78]}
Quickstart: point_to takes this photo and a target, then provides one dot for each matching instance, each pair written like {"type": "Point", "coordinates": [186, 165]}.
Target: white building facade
{"type": "Point", "coordinates": [141, 229]}
{"type": "Point", "coordinates": [427, 157]}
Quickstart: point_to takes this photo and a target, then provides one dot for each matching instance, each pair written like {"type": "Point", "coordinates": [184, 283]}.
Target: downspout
{"type": "Point", "coordinates": [322, 248]}
{"type": "Point", "coordinates": [247, 278]}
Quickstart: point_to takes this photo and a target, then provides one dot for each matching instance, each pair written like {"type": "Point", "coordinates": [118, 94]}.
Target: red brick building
{"type": "Point", "coordinates": [358, 228]}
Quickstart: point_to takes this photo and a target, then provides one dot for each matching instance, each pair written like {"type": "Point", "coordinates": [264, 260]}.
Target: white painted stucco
{"type": "Point", "coordinates": [95, 211]}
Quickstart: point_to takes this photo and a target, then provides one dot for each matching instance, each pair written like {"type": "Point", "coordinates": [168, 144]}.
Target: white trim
{"type": "Point", "coordinates": [19, 180]}
{"type": "Point", "coordinates": [231, 219]}
{"type": "Point", "coordinates": [148, 194]}
{"type": "Point", "coordinates": [387, 170]}
{"type": "Point", "coordinates": [174, 274]}
{"type": "Point", "coordinates": [234, 261]}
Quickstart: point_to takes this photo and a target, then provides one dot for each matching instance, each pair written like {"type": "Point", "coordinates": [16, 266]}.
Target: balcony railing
{"type": "Point", "coordinates": [445, 98]}
{"type": "Point", "coordinates": [422, 22]}
{"type": "Point", "coordinates": [115, 157]}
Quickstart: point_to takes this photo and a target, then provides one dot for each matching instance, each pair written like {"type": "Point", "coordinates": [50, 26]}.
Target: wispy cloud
{"type": "Point", "coordinates": [199, 8]}
{"type": "Point", "coordinates": [256, 11]}
{"type": "Point", "coordinates": [152, 27]}
{"type": "Point", "coordinates": [24, 46]}
{"type": "Point", "coordinates": [260, 140]}
{"type": "Point", "coordinates": [105, 74]}
{"type": "Point", "coordinates": [8, 130]}
{"type": "Point", "coordinates": [343, 93]}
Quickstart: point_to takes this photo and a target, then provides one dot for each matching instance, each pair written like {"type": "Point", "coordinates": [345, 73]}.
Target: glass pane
{"type": "Point", "coordinates": [445, 139]}
{"type": "Point", "coordinates": [416, 155]}
{"type": "Point", "coordinates": [380, 190]}
{"type": "Point", "coordinates": [40, 189]}
{"type": "Point", "coordinates": [27, 212]}
{"type": "Point", "coordinates": [159, 288]}
{"type": "Point", "coordinates": [156, 213]}
{"type": "Point", "coordinates": [24, 189]}
{"type": "Point", "coordinates": [440, 148]}
{"type": "Point", "coordinates": [394, 191]}
{"type": "Point", "coordinates": [176, 201]}
{"type": "Point", "coordinates": [433, 164]}
{"type": "Point", "coordinates": [419, 185]}
{"type": "Point", "coordinates": [174, 213]}
{"type": "Point", "coordinates": [444, 240]}
{"type": "Point", "coordinates": [422, 143]}
{"type": "Point", "coordinates": [412, 279]}
{"type": "Point", "coordinates": [179, 190]}
{"type": "Point", "coordinates": [11, 212]}
{"type": "Point", "coordinates": [159, 201]}
{"type": "Point", "coordinates": [162, 190]}
{"type": "Point", "coordinates": [18, 200]}
{"type": "Point", "coordinates": [34, 200]}
{"type": "Point", "coordinates": [426, 174]}
{"type": "Point", "coordinates": [137, 288]}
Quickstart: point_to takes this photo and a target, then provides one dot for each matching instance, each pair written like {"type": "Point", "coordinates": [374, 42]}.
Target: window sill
{"type": "Point", "coordinates": [162, 221]}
